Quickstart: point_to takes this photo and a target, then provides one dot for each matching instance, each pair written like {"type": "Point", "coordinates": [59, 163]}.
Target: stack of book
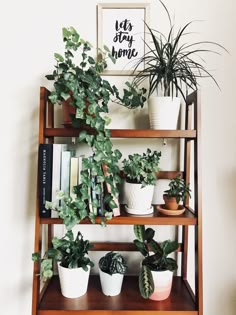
{"type": "Point", "coordinates": [59, 170]}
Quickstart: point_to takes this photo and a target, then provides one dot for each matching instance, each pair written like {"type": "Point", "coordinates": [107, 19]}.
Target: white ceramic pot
{"type": "Point", "coordinates": [162, 283]}
{"type": "Point", "coordinates": [139, 200]}
{"type": "Point", "coordinates": [163, 112]}
{"type": "Point", "coordinates": [73, 282]}
{"type": "Point", "coordinates": [111, 284]}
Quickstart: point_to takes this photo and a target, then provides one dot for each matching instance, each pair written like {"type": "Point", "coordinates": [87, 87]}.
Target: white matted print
{"type": "Point", "coordinates": [121, 27]}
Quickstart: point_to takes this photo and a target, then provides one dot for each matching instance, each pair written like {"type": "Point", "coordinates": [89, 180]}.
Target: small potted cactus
{"type": "Point", "coordinates": [112, 268]}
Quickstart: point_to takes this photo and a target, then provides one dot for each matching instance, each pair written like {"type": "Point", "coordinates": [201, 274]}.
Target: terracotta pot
{"type": "Point", "coordinates": [67, 111]}
{"type": "Point", "coordinates": [170, 203]}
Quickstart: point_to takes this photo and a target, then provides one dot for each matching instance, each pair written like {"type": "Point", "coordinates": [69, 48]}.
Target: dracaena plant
{"type": "Point", "coordinates": [155, 257]}
{"type": "Point", "coordinates": [178, 189]}
{"type": "Point", "coordinates": [77, 78]}
{"type": "Point", "coordinates": [172, 65]}
{"type": "Point", "coordinates": [70, 251]}
{"type": "Point", "coordinates": [142, 168]}
{"type": "Point", "coordinates": [112, 263]}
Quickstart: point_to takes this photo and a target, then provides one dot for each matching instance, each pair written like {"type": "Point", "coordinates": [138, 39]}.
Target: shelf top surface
{"type": "Point", "coordinates": [156, 218]}
{"type": "Point", "coordinates": [129, 298]}
{"type": "Point", "coordinates": [125, 133]}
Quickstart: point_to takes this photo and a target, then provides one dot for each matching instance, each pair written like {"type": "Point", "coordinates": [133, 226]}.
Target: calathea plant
{"type": "Point", "coordinates": [155, 257]}
{"type": "Point", "coordinates": [77, 79]}
{"type": "Point", "coordinates": [113, 263]}
{"type": "Point", "coordinates": [70, 251]}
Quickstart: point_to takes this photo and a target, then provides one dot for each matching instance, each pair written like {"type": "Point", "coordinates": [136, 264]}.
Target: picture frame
{"type": "Point", "coordinates": [121, 27]}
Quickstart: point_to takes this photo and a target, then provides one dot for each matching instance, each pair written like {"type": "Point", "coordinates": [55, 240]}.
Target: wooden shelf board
{"type": "Point", "coordinates": [128, 302]}
{"type": "Point", "coordinates": [125, 133]}
{"type": "Point", "coordinates": [187, 218]}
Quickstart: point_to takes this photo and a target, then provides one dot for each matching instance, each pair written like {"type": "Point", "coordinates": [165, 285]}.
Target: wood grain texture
{"type": "Point", "coordinates": [128, 302]}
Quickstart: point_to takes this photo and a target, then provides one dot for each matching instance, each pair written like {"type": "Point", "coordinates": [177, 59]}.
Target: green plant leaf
{"type": "Point", "coordinates": [146, 285]}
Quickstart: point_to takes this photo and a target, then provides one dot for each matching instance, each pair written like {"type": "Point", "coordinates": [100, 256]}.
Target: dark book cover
{"type": "Point", "coordinates": [45, 161]}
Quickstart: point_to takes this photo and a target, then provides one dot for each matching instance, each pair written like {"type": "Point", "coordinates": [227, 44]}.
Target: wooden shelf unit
{"type": "Point", "coordinates": [182, 301]}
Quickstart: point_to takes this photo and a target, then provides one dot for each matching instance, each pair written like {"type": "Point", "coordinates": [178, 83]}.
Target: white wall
{"type": "Point", "coordinates": [30, 34]}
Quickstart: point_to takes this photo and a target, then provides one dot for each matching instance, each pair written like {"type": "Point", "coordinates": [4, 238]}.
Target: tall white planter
{"type": "Point", "coordinates": [73, 282]}
{"type": "Point", "coordinates": [163, 112]}
{"type": "Point", "coordinates": [162, 283]}
{"type": "Point", "coordinates": [139, 200]}
{"type": "Point", "coordinates": [111, 284]}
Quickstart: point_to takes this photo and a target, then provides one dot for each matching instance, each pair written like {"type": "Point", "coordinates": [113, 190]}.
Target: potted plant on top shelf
{"type": "Point", "coordinates": [140, 178]}
{"type": "Point", "coordinates": [77, 81]}
{"type": "Point", "coordinates": [177, 192]}
{"type": "Point", "coordinates": [172, 68]}
{"type": "Point", "coordinates": [71, 255]}
{"type": "Point", "coordinates": [156, 271]}
{"type": "Point", "coordinates": [112, 268]}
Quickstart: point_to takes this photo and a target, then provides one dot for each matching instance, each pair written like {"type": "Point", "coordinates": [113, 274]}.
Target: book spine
{"type": "Point", "coordinates": [116, 210]}
{"type": "Point", "coordinates": [45, 158]}
{"type": "Point", "coordinates": [73, 175]}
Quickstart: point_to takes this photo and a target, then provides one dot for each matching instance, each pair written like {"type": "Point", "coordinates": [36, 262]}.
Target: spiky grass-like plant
{"type": "Point", "coordinates": [171, 65]}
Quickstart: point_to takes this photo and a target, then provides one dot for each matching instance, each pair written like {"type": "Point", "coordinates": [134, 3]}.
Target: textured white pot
{"type": "Point", "coordinates": [139, 200]}
{"type": "Point", "coordinates": [162, 283]}
{"type": "Point", "coordinates": [163, 112]}
{"type": "Point", "coordinates": [111, 284]}
{"type": "Point", "coordinates": [73, 282]}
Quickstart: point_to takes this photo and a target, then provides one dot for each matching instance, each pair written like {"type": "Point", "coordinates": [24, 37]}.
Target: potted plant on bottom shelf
{"type": "Point", "coordinates": [156, 271]}
{"type": "Point", "coordinates": [177, 192]}
{"type": "Point", "coordinates": [112, 268]}
{"type": "Point", "coordinates": [71, 255]}
{"type": "Point", "coordinates": [140, 178]}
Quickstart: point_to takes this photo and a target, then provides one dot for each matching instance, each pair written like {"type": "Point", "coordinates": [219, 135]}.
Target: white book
{"type": "Point", "coordinates": [56, 173]}
{"type": "Point", "coordinates": [74, 166]}
{"type": "Point", "coordinates": [65, 172]}
{"type": "Point", "coordinates": [80, 162]}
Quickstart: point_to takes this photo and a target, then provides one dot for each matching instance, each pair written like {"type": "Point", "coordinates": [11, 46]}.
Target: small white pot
{"type": "Point", "coordinates": [139, 200]}
{"type": "Point", "coordinates": [162, 283]}
{"type": "Point", "coordinates": [163, 112]}
{"type": "Point", "coordinates": [73, 282]}
{"type": "Point", "coordinates": [111, 284]}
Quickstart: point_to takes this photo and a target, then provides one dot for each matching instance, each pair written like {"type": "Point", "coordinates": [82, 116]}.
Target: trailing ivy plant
{"type": "Point", "coordinates": [70, 251]}
{"type": "Point", "coordinates": [142, 168]}
{"type": "Point", "coordinates": [77, 79]}
{"type": "Point", "coordinates": [157, 260]}
{"type": "Point", "coordinates": [113, 263]}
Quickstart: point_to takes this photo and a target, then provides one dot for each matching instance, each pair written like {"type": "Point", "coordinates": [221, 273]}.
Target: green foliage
{"type": "Point", "coordinates": [69, 251]}
{"type": "Point", "coordinates": [77, 78]}
{"type": "Point", "coordinates": [178, 189]}
{"type": "Point", "coordinates": [157, 260]}
{"type": "Point", "coordinates": [141, 169]}
{"type": "Point", "coordinates": [113, 263]}
{"type": "Point", "coordinates": [173, 65]}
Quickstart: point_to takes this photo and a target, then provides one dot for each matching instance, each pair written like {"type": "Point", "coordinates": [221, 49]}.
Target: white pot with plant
{"type": "Point", "coordinates": [156, 271]}
{"type": "Point", "coordinates": [172, 68]}
{"type": "Point", "coordinates": [140, 178]}
{"type": "Point", "coordinates": [112, 268]}
{"type": "Point", "coordinates": [73, 263]}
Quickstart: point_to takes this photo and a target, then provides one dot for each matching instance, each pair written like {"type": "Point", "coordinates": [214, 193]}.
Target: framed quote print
{"type": "Point", "coordinates": [121, 27]}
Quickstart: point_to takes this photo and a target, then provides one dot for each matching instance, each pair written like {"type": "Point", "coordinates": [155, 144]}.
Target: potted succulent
{"type": "Point", "coordinates": [71, 255]}
{"type": "Point", "coordinates": [78, 83]}
{"type": "Point", "coordinates": [140, 177]}
{"type": "Point", "coordinates": [112, 268]}
{"type": "Point", "coordinates": [173, 67]}
{"type": "Point", "coordinates": [177, 192]}
{"type": "Point", "coordinates": [156, 271]}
